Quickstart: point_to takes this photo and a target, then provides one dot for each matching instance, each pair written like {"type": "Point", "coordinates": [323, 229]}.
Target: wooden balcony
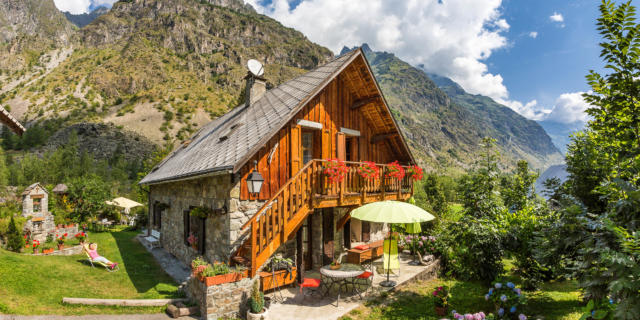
{"type": "Point", "coordinates": [281, 216]}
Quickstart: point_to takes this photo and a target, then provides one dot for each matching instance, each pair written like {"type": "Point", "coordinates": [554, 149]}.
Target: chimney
{"type": "Point", "coordinates": [256, 87]}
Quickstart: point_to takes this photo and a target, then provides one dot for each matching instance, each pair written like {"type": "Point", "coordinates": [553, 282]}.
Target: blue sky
{"type": "Point", "coordinates": [529, 55]}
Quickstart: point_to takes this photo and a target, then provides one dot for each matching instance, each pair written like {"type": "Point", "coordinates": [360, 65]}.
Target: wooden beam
{"type": "Point", "coordinates": [365, 101]}
{"type": "Point", "coordinates": [380, 137]}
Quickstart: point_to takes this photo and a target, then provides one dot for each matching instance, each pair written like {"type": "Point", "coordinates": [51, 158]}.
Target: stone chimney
{"type": "Point", "coordinates": [256, 87]}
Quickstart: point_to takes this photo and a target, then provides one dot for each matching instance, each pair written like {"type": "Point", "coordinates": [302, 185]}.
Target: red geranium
{"type": "Point", "coordinates": [415, 172]}
{"type": "Point", "coordinates": [369, 170]}
{"type": "Point", "coordinates": [335, 169]}
{"type": "Point", "coordinates": [395, 170]}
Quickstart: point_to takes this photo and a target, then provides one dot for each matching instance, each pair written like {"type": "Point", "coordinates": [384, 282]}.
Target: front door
{"type": "Point", "coordinates": [157, 217]}
{"type": "Point", "coordinates": [327, 236]}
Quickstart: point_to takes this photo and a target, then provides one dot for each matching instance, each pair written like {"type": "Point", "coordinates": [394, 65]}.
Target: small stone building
{"type": "Point", "coordinates": [35, 205]}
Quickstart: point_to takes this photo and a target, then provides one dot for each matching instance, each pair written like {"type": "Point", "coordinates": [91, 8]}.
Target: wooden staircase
{"type": "Point", "coordinates": [279, 219]}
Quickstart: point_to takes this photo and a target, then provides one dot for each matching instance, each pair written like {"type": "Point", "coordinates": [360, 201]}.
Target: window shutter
{"type": "Point", "coordinates": [341, 147]}
{"type": "Point", "coordinates": [202, 235]}
{"type": "Point", "coordinates": [185, 222]}
{"type": "Point", "coordinates": [296, 149]}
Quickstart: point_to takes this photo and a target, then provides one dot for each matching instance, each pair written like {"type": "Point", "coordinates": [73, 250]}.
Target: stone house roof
{"type": "Point", "coordinates": [225, 144]}
{"type": "Point", "coordinates": [60, 188]}
{"type": "Point", "coordinates": [31, 187]}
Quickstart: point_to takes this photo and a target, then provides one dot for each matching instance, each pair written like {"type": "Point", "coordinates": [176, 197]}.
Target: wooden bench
{"type": "Point", "coordinates": [357, 256]}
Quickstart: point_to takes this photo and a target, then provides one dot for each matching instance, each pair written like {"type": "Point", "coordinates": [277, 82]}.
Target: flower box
{"type": "Point", "coordinates": [281, 278]}
{"type": "Point", "coordinates": [47, 251]}
{"type": "Point", "coordinates": [224, 278]}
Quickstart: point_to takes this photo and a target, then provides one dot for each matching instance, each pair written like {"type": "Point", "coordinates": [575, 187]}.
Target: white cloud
{"type": "Point", "coordinates": [80, 6]}
{"type": "Point", "coordinates": [530, 110]}
{"type": "Point", "coordinates": [533, 34]}
{"type": "Point", "coordinates": [451, 38]}
{"type": "Point", "coordinates": [569, 108]}
{"type": "Point", "coordinates": [556, 17]}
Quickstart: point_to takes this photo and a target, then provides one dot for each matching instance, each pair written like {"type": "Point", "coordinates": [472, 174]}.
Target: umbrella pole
{"type": "Point", "coordinates": [388, 283]}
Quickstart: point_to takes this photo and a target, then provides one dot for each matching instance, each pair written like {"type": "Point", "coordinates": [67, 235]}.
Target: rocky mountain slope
{"type": "Point", "coordinates": [163, 68]}
{"type": "Point", "coordinates": [81, 20]}
{"type": "Point", "coordinates": [445, 125]}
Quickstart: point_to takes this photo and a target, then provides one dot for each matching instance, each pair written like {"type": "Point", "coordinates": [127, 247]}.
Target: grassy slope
{"type": "Point", "coordinates": [555, 301]}
{"type": "Point", "coordinates": [36, 284]}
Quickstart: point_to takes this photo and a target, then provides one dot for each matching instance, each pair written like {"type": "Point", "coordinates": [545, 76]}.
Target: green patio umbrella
{"type": "Point", "coordinates": [413, 228]}
{"type": "Point", "coordinates": [391, 212]}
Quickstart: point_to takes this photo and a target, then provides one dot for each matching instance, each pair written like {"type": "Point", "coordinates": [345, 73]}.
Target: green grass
{"type": "Point", "coordinates": [555, 301]}
{"type": "Point", "coordinates": [36, 284]}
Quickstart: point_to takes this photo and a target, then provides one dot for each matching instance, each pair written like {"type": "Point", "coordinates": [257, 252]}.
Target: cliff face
{"type": "Point", "coordinates": [30, 28]}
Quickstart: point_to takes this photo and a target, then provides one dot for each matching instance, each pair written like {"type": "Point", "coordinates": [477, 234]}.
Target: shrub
{"type": "Point", "coordinates": [256, 301]}
{"type": "Point", "coordinates": [475, 250]}
{"type": "Point", "coordinates": [15, 242]}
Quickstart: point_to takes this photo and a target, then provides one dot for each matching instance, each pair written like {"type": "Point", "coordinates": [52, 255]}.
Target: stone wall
{"type": "Point", "coordinates": [27, 202]}
{"type": "Point", "coordinates": [224, 301]}
{"type": "Point", "coordinates": [211, 192]}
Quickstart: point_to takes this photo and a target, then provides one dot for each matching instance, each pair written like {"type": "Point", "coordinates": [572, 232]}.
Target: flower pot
{"type": "Point", "coordinates": [47, 251]}
{"type": "Point", "coordinates": [60, 246]}
{"type": "Point", "coordinates": [441, 311]}
{"type": "Point", "coordinates": [35, 250]}
{"type": "Point", "coordinates": [334, 267]}
{"type": "Point", "coordinates": [257, 316]}
{"type": "Point", "coordinates": [220, 279]}
{"type": "Point", "coordinates": [197, 270]}
{"type": "Point", "coordinates": [280, 278]}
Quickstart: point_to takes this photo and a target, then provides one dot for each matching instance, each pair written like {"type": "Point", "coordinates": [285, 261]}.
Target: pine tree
{"type": "Point", "coordinates": [15, 242]}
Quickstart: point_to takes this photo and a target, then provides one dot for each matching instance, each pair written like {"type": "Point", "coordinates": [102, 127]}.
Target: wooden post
{"type": "Point", "coordinates": [299, 255]}
{"type": "Point", "coordinates": [254, 249]}
{"type": "Point", "coordinates": [382, 184]}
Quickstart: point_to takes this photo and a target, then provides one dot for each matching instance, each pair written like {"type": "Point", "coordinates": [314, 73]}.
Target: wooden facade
{"type": "Point", "coordinates": [347, 119]}
{"type": "Point", "coordinates": [356, 125]}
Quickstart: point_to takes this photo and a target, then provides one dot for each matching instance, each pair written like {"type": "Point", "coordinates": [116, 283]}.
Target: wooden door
{"type": "Point", "coordinates": [327, 236]}
{"type": "Point", "coordinates": [347, 234]}
{"type": "Point", "coordinates": [296, 152]}
{"type": "Point", "coordinates": [366, 231]}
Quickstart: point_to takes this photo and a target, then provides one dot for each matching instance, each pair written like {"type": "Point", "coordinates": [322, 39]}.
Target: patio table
{"type": "Point", "coordinates": [341, 277]}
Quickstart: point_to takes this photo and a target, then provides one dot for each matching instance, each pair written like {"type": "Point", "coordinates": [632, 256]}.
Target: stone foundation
{"type": "Point", "coordinates": [224, 301]}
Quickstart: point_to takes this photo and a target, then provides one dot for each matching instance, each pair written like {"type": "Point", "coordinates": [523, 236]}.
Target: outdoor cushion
{"type": "Point", "coordinates": [365, 275]}
{"type": "Point", "coordinates": [310, 283]}
{"type": "Point", "coordinates": [362, 247]}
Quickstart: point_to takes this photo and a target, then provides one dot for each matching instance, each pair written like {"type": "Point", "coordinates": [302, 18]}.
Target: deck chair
{"type": "Point", "coordinates": [93, 263]}
{"type": "Point", "coordinates": [391, 261]}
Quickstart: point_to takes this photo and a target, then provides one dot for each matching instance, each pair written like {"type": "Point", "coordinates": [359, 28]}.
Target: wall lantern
{"type": "Point", "coordinates": [255, 181]}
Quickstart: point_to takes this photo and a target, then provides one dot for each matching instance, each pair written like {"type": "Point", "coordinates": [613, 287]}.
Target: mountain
{"type": "Point", "coordinates": [556, 171]}
{"type": "Point", "coordinates": [84, 19]}
{"type": "Point", "coordinates": [445, 125]}
{"type": "Point", "coordinates": [161, 68]}
{"type": "Point", "coordinates": [28, 29]}
{"type": "Point", "coordinates": [561, 132]}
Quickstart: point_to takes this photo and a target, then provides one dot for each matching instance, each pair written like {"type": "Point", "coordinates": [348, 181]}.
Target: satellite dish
{"type": "Point", "coordinates": [255, 67]}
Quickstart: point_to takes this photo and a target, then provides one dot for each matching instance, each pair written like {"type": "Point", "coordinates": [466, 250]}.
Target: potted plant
{"type": "Point", "coordinates": [395, 170]}
{"type": "Point", "coordinates": [416, 173]}
{"type": "Point", "coordinates": [197, 266]}
{"type": "Point", "coordinates": [61, 239]}
{"type": "Point", "coordinates": [256, 310]}
{"type": "Point", "coordinates": [335, 169]}
{"type": "Point", "coordinates": [219, 273]}
{"type": "Point", "coordinates": [441, 297]}
{"type": "Point", "coordinates": [81, 237]}
{"type": "Point", "coordinates": [369, 170]}
{"type": "Point", "coordinates": [193, 241]}
{"type": "Point", "coordinates": [278, 272]}
{"type": "Point", "coordinates": [335, 265]}
{"type": "Point", "coordinates": [36, 245]}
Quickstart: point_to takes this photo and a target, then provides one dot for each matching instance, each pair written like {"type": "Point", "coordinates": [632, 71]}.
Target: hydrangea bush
{"type": "Point", "coordinates": [507, 298]}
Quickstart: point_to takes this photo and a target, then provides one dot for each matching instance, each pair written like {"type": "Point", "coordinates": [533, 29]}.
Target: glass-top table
{"type": "Point", "coordinates": [341, 277]}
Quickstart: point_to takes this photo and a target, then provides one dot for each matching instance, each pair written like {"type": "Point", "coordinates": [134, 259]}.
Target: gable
{"type": "Point", "coordinates": [227, 143]}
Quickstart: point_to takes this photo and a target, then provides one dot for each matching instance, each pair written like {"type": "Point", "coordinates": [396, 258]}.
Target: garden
{"type": "Point", "coordinates": [33, 285]}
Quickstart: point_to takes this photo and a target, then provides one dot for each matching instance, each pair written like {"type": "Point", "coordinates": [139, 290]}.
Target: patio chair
{"type": "Point", "coordinates": [391, 261]}
{"type": "Point", "coordinates": [365, 280]}
{"type": "Point", "coordinates": [310, 283]}
{"type": "Point", "coordinates": [106, 266]}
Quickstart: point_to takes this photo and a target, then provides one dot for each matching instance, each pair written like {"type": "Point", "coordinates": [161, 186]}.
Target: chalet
{"type": "Point", "coordinates": [284, 136]}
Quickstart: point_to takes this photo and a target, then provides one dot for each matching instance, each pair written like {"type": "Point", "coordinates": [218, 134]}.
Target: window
{"type": "Point", "coordinates": [36, 205]}
{"type": "Point", "coordinates": [157, 216]}
{"type": "Point", "coordinates": [196, 226]}
{"type": "Point", "coordinates": [307, 147]}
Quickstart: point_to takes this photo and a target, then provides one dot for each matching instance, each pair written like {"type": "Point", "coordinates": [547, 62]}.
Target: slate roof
{"type": "Point", "coordinates": [31, 187]}
{"type": "Point", "coordinates": [226, 143]}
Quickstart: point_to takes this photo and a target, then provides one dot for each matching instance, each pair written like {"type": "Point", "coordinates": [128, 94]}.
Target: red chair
{"type": "Point", "coordinates": [365, 280]}
{"type": "Point", "coordinates": [309, 283]}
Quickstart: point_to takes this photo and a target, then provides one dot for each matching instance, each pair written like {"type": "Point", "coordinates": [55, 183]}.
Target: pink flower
{"type": "Point", "coordinates": [468, 316]}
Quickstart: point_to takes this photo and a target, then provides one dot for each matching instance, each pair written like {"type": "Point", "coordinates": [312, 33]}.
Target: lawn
{"type": "Point", "coordinates": [555, 300]}
{"type": "Point", "coordinates": [36, 284]}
